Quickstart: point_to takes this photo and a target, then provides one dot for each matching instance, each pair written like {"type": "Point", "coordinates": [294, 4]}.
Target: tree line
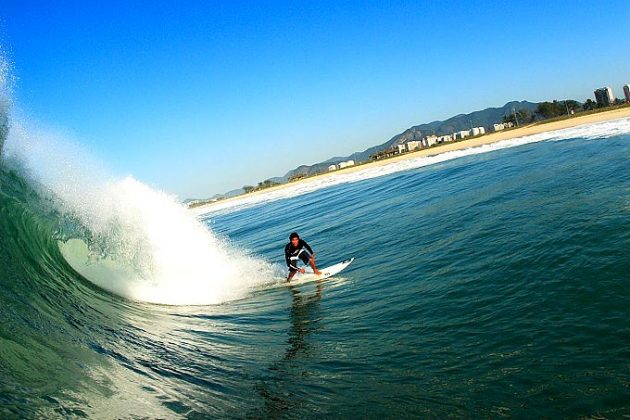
{"type": "Point", "coordinates": [261, 186]}
{"type": "Point", "coordinates": [546, 110]}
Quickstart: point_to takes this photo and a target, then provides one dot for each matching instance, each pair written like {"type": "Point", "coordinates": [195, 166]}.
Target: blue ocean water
{"type": "Point", "coordinates": [492, 285]}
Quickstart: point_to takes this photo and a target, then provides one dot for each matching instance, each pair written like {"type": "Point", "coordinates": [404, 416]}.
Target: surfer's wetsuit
{"type": "Point", "coordinates": [292, 254]}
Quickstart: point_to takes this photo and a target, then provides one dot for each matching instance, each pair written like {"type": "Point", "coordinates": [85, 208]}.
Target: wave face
{"type": "Point", "coordinates": [70, 349]}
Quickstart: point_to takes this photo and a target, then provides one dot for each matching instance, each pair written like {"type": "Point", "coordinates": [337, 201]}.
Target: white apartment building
{"type": "Point", "coordinates": [461, 134]}
{"type": "Point", "coordinates": [477, 131]}
{"type": "Point", "coordinates": [413, 145]}
{"type": "Point", "coordinates": [429, 141]}
{"type": "Point", "coordinates": [346, 164]}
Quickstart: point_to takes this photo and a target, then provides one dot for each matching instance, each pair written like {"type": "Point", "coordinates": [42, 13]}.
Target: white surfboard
{"type": "Point", "coordinates": [309, 276]}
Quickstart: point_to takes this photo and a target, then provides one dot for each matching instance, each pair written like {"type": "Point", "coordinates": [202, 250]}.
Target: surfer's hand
{"type": "Point", "coordinates": [302, 270]}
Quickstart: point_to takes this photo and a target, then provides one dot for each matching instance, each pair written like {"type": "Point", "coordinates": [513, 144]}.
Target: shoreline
{"type": "Point", "coordinates": [532, 129]}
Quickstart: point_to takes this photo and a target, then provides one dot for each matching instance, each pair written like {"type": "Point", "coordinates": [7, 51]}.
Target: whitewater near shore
{"type": "Point", "coordinates": [407, 161]}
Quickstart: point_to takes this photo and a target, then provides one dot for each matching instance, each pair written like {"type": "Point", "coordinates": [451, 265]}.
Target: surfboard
{"type": "Point", "coordinates": [309, 276]}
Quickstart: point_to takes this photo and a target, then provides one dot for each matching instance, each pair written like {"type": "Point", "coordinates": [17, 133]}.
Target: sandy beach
{"type": "Point", "coordinates": [528, 130]}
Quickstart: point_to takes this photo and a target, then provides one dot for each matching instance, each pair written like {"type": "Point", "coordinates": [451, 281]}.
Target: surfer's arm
{"type": "Point", "coordinates": [308, 247]}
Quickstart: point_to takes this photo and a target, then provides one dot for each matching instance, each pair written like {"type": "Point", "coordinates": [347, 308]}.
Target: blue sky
{"type": "Point", "coordinates": [200, 97]}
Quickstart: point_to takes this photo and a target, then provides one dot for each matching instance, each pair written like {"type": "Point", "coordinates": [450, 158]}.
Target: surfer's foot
{"type": "Point", "coordinates": [319, 273]}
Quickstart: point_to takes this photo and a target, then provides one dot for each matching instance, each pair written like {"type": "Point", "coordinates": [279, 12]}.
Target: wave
{"type": "Point", "coordinates": [591, 131]}
{"type": "Point", "coordinates": [125, 237]}
{"type": "Point", "coordinates": [118, 233]}
{"type": "Point", "coordinates": [5, 102]}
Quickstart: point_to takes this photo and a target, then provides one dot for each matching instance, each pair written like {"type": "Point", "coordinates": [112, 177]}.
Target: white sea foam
{"type": "Point", "coordinates": [144, 245]}
{"type": "Point", "coordinates": [6, 84]}
{"type": "Point", "coordinates": [592, 131]}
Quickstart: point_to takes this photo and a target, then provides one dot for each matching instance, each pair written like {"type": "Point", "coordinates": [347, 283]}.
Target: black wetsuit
{"type": "Point", "coordinates": [291, 254]}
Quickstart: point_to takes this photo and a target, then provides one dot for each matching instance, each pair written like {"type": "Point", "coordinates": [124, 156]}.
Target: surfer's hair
{"type": "Point", "coordinates": [294, 235]}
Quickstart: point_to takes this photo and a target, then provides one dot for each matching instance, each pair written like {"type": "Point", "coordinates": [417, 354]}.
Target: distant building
{"type": "Point", "coordinates": [461, 134]}
{"type": "Point", "coordinates": [626, 92]}
{"type": "Point", "coordinates": [429, 141]}
{"type": "Point", "coordinates": [477, 131]}
{"type": "Point", "coordinates": [332, 168]}
{"type": "Point", "coordinates": [413, 145]}
{"type": "Point", "coordinates": [604, 96]}
{"type": "Point", "coordinates": [346, 164]}
{"type": "Point", "coordinates": [445, 138]}
{"type": "Point", "coordinates": [498, 127]}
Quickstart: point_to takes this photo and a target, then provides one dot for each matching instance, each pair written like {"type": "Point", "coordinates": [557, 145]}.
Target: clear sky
{"type": "Point", "coordinates": [200, 97]}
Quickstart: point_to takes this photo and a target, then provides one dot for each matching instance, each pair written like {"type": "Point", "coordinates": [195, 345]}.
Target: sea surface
{"type": "Point", "coordinates": [492, 283]}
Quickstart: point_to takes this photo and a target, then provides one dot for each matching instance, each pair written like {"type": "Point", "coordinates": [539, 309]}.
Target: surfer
{"type": "Point", "coordinates": [298, 249]}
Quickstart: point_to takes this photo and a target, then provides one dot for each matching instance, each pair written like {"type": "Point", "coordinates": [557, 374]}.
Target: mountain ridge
{"type": "Point", "coordinates": [482, 118]}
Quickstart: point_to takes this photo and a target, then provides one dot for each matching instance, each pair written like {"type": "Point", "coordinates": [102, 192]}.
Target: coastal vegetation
{"type": "Point", "coordinates": [261, 186]}
{"type": "Point", "coordinates": [297, 177]}
{"type": "Point", "coordinates": [522, 116]}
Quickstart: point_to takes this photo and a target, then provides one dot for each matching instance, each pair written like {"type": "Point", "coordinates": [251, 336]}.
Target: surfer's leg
{"type": "Point", "coordinates": [311, 261]}
{"type": "Point", "coordinates": [291, 274]}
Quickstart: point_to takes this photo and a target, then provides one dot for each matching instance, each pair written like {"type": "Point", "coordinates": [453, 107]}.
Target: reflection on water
{"type": "Point", "coordinates": [305, 311]}
{"type": "Point", "coordinates": [277, 389]}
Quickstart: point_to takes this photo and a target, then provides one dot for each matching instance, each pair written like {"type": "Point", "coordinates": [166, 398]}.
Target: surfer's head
{"type": "Point", "coordinates": [294, 238]}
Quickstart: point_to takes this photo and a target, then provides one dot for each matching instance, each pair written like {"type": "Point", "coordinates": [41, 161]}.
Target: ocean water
{"type": "Point", "coordinates": [490, 283]}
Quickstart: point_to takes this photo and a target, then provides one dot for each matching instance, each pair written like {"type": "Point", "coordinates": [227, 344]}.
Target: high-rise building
{"type": "Point", "coordinates": [604, 96]}
{"type": "Point", "coordinates": [626, 92]}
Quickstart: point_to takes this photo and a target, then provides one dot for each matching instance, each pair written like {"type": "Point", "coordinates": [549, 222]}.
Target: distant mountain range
{"type": "Point", "coordinates": [486, 118]}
